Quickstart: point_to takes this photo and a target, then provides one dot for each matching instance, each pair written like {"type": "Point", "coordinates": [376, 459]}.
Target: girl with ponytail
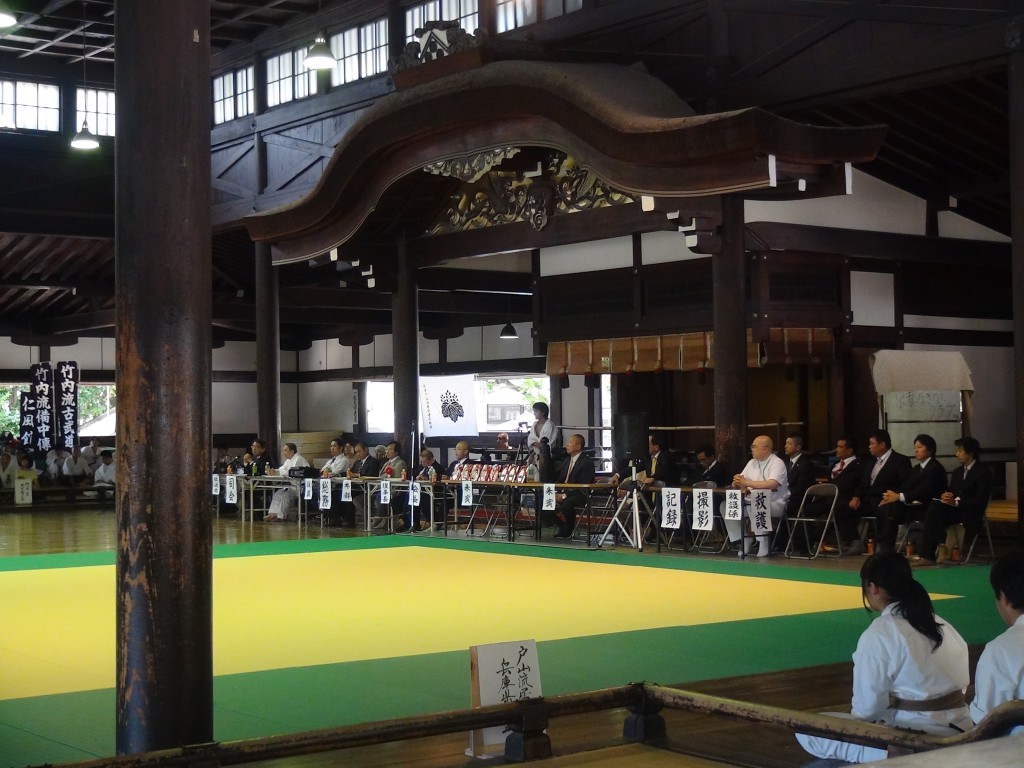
{"type": "Point", "coordinates": [910, 668]}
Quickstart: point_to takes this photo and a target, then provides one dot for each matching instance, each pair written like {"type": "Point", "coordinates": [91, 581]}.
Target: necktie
{"type": "Point", "coordinates": [654, 465]}
{"type": "Point", "coordinates": [568, 472]}
{"type": "Point", "coordinates": [875, 470]}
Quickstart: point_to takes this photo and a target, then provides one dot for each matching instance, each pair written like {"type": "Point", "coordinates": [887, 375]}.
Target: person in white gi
{"type": "Point", "coordinates": [8, 468]}
{"type": "Point", "coordinates": [910, 668]}
{"type": "Point", "coordinates": [105, 476]}
{"type": "Point", "coordinates": [1000, 674]}
{"type": "Point", "coordinates": [285, 498]}
{"type": "Point", "coordinates": [764, 470]}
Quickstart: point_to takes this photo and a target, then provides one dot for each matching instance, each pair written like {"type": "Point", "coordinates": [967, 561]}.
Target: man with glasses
{"type": "Point", "coordinates": [764, 471]}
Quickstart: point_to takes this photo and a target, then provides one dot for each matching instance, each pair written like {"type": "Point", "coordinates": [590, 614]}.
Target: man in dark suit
{"type": "Point", "coordinates": [845, 475]}
{"type": "Point", "coordinates": [888, 469]}
{"type": "Point", "coordinates": [461, 458]}
{"type": "Point", "coordinates": [964, 502]}
{"type": "Point", "coordinates": [712, 470]}
{"type": "Point", "coordinates": [799, 471]}
{"type": "Point", "coordinates": [363, 465]}
{"type": "Point", "coordinates": [660, 466]}
{"type": "Point", "coordinates": [925, 482]}
{"type": "Point", "coordinates": [576, 468]}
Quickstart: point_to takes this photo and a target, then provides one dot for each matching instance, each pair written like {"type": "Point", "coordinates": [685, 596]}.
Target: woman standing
{"type": "Point", "coordinates": [910, 668]}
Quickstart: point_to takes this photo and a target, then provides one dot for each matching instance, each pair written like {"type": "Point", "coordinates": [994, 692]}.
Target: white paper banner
{"type": "Point", "coordinates": [385, 491]}
{"type": "Point", "coordinates": [414, 494]}
{"type": "Point", "coordinates": [448, 406]}
{"type": "Point", "coordinates": [467, 493]}
{"type": "Point", "coordinates": [761, 511]}
{"type": "Point", "coordinates": [325, 493]}
{"type": "Point", "coordinates": [703, 511]}
{"type": "Point", "coordinates": [215, 488]}
{"type": "Point", "coordinates": [346, 490]}
{"type": "Point", "coordinates": [549, 497]}
{"type": "Point", "coordinates": [22, 490]}
{"type": "Point", "coordinates": [231, 489]}
{"type": "Point", "coordinates": [733, 504]}
{"type": "Point", "coordinates": [307, 489]}
{"type": "Point", "coordinates": [671, 508]}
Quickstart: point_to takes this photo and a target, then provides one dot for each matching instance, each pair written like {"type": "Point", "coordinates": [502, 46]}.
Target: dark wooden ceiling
{"type": "Point", "coordinates": [934, 71]}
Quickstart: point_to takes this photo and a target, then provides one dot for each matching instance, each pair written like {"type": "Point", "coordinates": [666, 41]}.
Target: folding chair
{"type": "Point", "coordinates": [591, 522]}
{"type": "Point", "coordinates": [827, 492]}
{"type": "Point", "coordinates": [717, 539]}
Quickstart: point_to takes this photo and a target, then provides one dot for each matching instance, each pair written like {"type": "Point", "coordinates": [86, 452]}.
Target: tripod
{"type": "Point", "coordinates": [628, 509]}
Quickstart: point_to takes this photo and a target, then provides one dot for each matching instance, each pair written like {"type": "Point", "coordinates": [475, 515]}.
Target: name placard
{"type": "Point", "coordinates": [501, 673]}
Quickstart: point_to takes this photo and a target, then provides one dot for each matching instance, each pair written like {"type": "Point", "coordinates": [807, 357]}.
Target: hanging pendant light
{"type": "Point", "coordinates": [85, 139]}
{"type": "Point", "coordinates": [319, 55]}
{"type": "Point", "coordinates": [7, 17]}
{"type": "Point", "coordinates": [509, 331]}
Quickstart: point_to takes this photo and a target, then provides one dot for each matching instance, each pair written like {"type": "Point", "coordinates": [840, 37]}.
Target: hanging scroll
{"type": "Point", "coordinates": [66, 401]}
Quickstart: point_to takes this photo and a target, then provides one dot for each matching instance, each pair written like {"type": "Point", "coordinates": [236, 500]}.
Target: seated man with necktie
{"type": "Point", "coordinates": [964, 502]}
{"type": "Point", "coordinates": [845, 475]}
{"type": "Point", "coordinates": [925, 482]}
{"type": "Point", "coordinates": [577, 469]}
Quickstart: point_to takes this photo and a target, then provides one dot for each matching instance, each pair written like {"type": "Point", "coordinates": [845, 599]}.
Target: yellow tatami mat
{"type": "Point", "coordinates": [280, 611]}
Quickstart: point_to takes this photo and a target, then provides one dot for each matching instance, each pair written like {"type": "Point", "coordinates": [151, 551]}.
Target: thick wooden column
{"type": "Point", "coordinates": [268, 352]}
{"type": "Point", "coordinates": [1016, 111]}
{"type": "Point", "coordinates": [406, 351]}
{"type": "Point", "coordinates": [163, 294]}
{"type": "Point", "coordinates": [729, 319]}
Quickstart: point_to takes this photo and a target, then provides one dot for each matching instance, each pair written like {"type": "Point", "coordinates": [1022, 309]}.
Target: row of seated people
{"type": "Point", "coordinates": [885, 487]}
{"type": "Point", "coordinates": [90, 467]}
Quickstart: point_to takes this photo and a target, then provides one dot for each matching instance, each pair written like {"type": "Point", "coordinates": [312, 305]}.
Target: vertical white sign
{"type": "Point", "coordinates": [307, 489]}
{"type": "Point", "coordinates": [549, 497]}
{"type": "Point", "coordinates": [733, 504]}
{"type": "Point", "coordinates": [22, 491]}
{"type": "Point", "coordinates": [385, 491]}
{"type": "Point", "coordinates": [703, 511]}
{"type": "Point", "coordinates": [346, 490]}
{"type": "Point", "coordinates": [325, 493]}
{"type": "Point", "coordinates": [215, 488]}
{"type": "Point", "coordinates": [671, 508]}
{"type": "Point", "coordinates": [761, 511]}
{"type": "Point", "coordinates": [467, 493]}
{"type": "Point", "coordinates": [231, 489]}
{"type": "Point", "coordinates": [414, 494]}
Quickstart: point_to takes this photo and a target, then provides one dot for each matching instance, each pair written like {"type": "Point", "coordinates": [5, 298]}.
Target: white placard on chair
{"type": "Point", "coordinates": [761, 511]}
{"type": "Point", "coordinates": [307, 489]}
{"type": "Point", "coordinates": [467, 493]}
{"type": "Point", "coordinates": [702, 509]}
{"type": "Point", "coordinates": [671, 508]}
{"type": "Point", "coordinates": [325, 493]}
{"type": "Point", "coordinates": [733, 504]}
{"type": "Point", "coordinates": [414, 494]}
{"type": "Point", "coordinates": [346, 490]}
{"type": "Point", "coordinates": [231, 489]}
{"type": "Point", "coordinates": [215, 488]}
{"type": "Point", "coordinates": [22, 491]}
{"type": "Point", "coordinates": [549, 497]}
{"type": "Point", "coordinates": [385, 491]}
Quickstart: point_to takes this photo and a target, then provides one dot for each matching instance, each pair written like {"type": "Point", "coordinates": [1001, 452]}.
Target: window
{"type": "Point", "coordinates": [466, 12]}
{"type": "Point", "coordinates": [234, 95]}
{"type": "Point", "coordinates": [380, 406]}
{"type": "Point", "coordinates": [97, 106]}
{"type": "Point", "coordinates": [29, 106]}
{"type": "Point", "coordinates": [512, 14]}
{"type": "Point", "coordinates": [419, 15]}
{"type": "Point", "coordinates": [360, 51]}
{"type": "Point", "coordinates": [288, 79]}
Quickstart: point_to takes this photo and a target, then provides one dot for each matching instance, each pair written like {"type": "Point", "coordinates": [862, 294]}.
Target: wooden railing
{"type": "Point", "coordinates": [529, 719]}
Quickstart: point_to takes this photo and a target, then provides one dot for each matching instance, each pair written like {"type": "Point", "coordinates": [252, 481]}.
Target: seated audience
{"type": "Point", "coordinates": [8, 468]}
{"type": "Point", "coordinates": [905, 503]}
{"type": "Point", "coordinates": [887, 469]}
{"type": "Point", "coordinates": [27, 470]}
{"type": "Point", "coordinates": [765, 470]}
{"type": "Point", "coordinates": [910, 668]}
{"type": "Point", "coordinates": [575, 469]}
{"type": "Point", "coordinates": [1000, 674]}
{"type": "Point", "coordinates": [260, 460]}
{"type": "Point", "coordinates": [427, 472]}
{"type": "Point", "coordinates": [964, 502]}
{"type": "Point", "coordinates": [76, 468]}
{"type": "Point", "coordinates": [91, 453]}
{"type": "Point", "coordinates": [105, 476]}
{"type": "Point", "coordinates": [712, 470]}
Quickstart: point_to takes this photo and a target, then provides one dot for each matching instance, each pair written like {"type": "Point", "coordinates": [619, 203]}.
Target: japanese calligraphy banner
{"type": "Point", "coordinates": [385, 491]}
{"type": "Point", "coordinates": [307, 489]}
{"type": "Point", "coordinates": [733, 504]}
{"type": "Point", "coordinates": [324, 490]}
{"type": "Point", "coordinates": [66, 402]}
{"type": "Point", "coordinates": [215, 488]}
{"type": "Point", "coordinates": [703, 512]}
{"type": "Point", "coordinates": [761, 511]}
{"type": "Point", "coordinates": [230, 489]}
{"type": "Point", "coordinates": [27, 435]}
{"type": "Point", "coordinates": [549, 497]}
{"type": "Point", "coordinates": [467, 493]}
{"type": "Point", "coordinates": [22, 491]}
{"type": "Point", "coordinates": [414, 494]}
{"type": "Point", "coordinates": [42, 390]}
{"type": "Point", "coordinates": [501, 673]}
{"type": "Point", "coordinates": [671, 507]}
{"type": "Point", "coordinates": [346, 490]}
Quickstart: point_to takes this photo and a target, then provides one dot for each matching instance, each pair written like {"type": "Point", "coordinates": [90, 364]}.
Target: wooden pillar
{"type": "Point", "coordinates": [164, 655]}
{"type": "Point", "coordinates": [729, 319]}
{"type": "Point", "coordinates": [1015, 77]}
{"type": "Point", "coordinates": [406, 347]}
{"type": "Point", "coordinates": [268, 352]}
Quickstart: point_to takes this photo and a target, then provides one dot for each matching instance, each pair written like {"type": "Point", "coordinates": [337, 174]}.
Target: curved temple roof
{"type": "Point", "coordinates": [626, 126]}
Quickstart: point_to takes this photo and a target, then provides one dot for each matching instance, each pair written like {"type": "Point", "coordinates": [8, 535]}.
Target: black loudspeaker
{"type": "Point", "coordinates": [629, 438]}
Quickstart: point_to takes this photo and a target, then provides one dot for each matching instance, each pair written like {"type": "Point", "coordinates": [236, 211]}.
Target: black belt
{"type": "Point", "coordinates": [951, 700]}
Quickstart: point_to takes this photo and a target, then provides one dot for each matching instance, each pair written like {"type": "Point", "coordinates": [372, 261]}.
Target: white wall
{"type": "Point", "coordinates": [586, 257]}
{"type": "Point", "coordinates": [326, 405]}
{"type": "Point", "coordinates": [662, 247]}
{"type": "Point", "coordinates": [574, 407]}
{"type": "Point", "coordinates": [872, 298]}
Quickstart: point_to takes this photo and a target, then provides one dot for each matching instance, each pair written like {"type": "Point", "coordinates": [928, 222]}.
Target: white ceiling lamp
{"type": "Point", "coordinates": [7, 17]}
{"type": "Point", "coordinates": [319, 55]}
{"type": "Point", "coordinates": [85, 139]}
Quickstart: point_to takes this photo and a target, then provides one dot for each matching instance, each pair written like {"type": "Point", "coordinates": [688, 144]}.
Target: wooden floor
{"type": "Point", "coordinates": [591, 740]}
